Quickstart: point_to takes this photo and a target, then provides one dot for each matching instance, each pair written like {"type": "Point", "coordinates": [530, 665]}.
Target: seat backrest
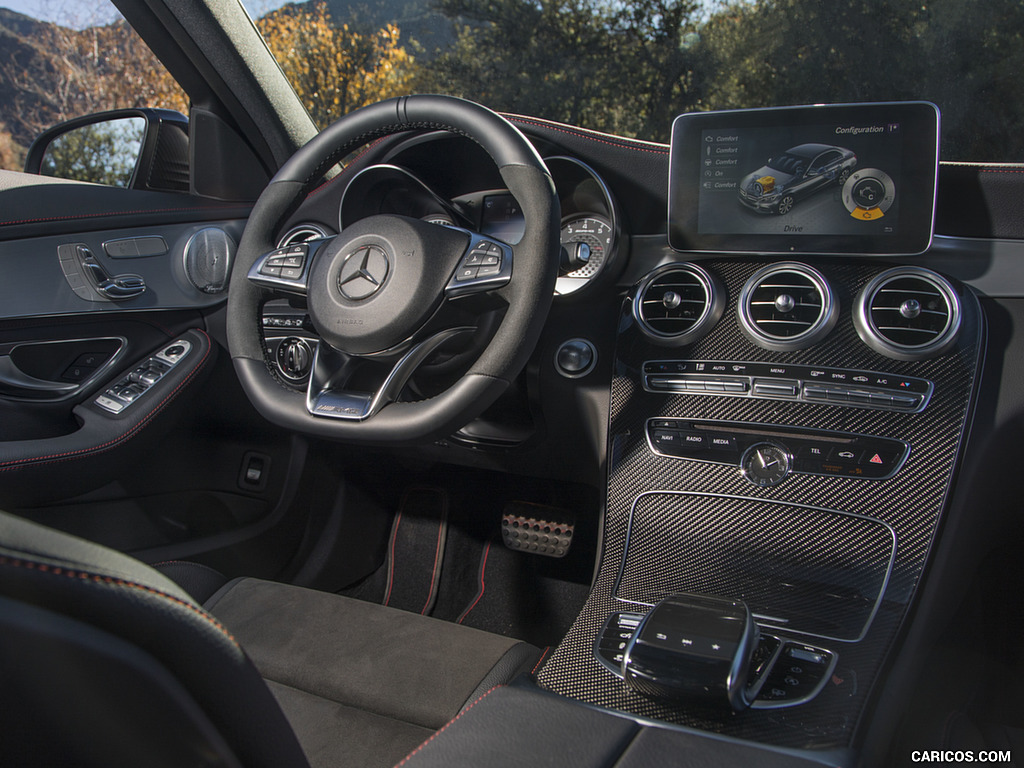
{"type": "Point", "coordinates": [105, 662]}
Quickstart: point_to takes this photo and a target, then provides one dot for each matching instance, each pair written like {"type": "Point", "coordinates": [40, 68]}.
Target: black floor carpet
{"type": "Point", "coordinates": [446, 557]}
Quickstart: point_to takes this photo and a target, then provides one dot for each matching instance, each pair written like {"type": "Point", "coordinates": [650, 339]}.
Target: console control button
{"type": "Point", "coordinates": [776, 387]}
{"type": "Point", "coordinates": [845, 454]}
{"type": "Point", "coordinates": [815, 452]}
{"type": "Point", "coordinates": [694, 441]}
{"type": "Point", "coordinates": [722, 442]}
{"type": "Point", "coordinates": [798, 674]}
{"type": "Point", "coordinates": [668, 440]}
{"type": "Point", "coordinates": [850, 388]}
{"type": "Point", "coordinates": [613, 638]}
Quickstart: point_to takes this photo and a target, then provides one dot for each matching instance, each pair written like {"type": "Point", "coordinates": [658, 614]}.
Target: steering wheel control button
{"type": "Point", "coordinates": [485, 266]}
{"type": "Point", "coordinates": [575, 358]}
{"type": "Point", "coordinates": [138, 382]}
{"type": "Point", "coordinates": [364, 273]}
{"type": "Point", "coordinates": [287, 263]}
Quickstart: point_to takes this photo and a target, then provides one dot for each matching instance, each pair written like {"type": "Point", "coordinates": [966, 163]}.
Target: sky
{"type": "Point", "coordinates": [84, 13]}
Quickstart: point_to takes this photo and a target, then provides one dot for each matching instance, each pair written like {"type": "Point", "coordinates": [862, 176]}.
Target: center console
{"type": "Point", "coordinates": [806, 484]}
{"type": "Point", "coordinates": [785, 428]}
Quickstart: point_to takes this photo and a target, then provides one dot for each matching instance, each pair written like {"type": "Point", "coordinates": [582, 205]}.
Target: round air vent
{"type": "Point", "coordinates": [302, 233]}
{"type": "Point", "coordinates": [787, 306]}
{"type": "Point", "coordinates": [678, 303]}
{"type": "Point", "coordinates": [908, 313]}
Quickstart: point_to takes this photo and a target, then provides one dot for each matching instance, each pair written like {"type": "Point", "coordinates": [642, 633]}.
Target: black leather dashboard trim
{"type": "Point", "coordinates": [72, 207]}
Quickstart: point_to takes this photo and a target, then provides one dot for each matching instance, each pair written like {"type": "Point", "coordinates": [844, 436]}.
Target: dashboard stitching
{"type": "Point", "coordinates": [592, 138]}
{"type": "Point", "coordinates": [67, 456]}
{"type": "Point", "coordinates": [383, 131]}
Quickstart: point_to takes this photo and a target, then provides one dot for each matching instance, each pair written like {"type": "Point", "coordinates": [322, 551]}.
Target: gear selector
{"type": "Point", "coordinates": [695, 648]}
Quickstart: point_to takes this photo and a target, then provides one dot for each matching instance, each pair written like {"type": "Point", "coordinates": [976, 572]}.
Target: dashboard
{"type": "Point", "coordinates": [782, 429]}
{"type": "Point", "coordinates": [782, 424]}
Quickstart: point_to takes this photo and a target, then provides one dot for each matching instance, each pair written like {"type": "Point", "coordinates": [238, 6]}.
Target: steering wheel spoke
{"type": "Point", "coordinates": [485, 266]}
{"type": "Point", "coordinates": [286, 269]}
{"type": "Point", "coordinates": [327, 397]}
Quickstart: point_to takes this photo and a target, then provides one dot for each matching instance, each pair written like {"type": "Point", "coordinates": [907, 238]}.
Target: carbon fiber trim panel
{"type": "Point", "coordinates": [757, 551]}
{"type": "Point", "coordinates": [910, 503]}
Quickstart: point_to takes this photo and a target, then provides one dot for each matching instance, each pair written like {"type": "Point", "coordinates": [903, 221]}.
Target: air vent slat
{"type": "Point", "coordinates": [701, 302]}
{"type": "Point", "coordinates": [907, 329]}
{"type": "Point", "coordinates": [919, 292]}
{"type": "Point", "coordinates": [935, 312]}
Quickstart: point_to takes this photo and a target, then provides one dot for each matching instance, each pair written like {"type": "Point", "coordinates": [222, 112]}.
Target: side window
{"type": "Point", "coordinates": [54, 68]}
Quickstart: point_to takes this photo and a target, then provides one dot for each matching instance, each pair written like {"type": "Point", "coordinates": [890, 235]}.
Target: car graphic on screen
{"type": "Point", "coordinates": [797, 173]}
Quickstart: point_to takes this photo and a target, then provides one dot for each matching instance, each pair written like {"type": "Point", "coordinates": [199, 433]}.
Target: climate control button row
{"type": "Point", "coordinates": [804, 383]}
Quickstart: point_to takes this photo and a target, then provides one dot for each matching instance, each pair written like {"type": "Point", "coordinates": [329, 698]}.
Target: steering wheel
{"type": "Point", "coordinates": [377, 291]}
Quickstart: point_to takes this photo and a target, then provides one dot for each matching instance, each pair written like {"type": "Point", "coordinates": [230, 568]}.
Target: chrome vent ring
{"type": "Point", "coordinates": [908, 313]}
{"type": "Point", "coordinates": [787, 306]}
{"type": "Point", "coordinates": [676, 304]}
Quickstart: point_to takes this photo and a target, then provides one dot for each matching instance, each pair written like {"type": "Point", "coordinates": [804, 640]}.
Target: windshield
{"type": "Point", "coordinates": [626, 68]}
{"type": "Point", "coordinates": [630, 68]}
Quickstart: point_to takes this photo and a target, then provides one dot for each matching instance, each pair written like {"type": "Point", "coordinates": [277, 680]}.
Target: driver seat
{"type": "Point", "coordinates": [104, 661]}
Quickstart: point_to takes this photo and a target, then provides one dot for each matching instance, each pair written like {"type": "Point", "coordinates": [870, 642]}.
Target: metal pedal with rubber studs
{"type": "Point", "coordinates": [535, 533]}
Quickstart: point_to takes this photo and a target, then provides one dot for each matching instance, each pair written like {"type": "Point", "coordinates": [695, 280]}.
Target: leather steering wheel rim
{"type": "Point", "coordinates": [528, 295]}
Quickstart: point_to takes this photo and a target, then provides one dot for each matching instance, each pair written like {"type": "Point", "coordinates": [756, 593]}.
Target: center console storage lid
{"type": "Point", "coordinates": [513, 726]}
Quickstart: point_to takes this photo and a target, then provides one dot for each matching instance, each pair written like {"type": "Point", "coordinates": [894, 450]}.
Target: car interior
{"type": "Point", "coordinates": [443, 437]}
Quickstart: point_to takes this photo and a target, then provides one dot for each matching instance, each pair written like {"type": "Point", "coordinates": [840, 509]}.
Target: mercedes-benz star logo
{"type": "Point", "coordinates": [363, 272]}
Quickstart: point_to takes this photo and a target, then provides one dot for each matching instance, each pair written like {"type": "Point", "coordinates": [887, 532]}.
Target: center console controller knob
{"type": "Point", "coordinates": [694, 648]}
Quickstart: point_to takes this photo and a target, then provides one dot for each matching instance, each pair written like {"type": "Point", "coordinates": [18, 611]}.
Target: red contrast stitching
{"type": "Point", "coordinates": [446, 726]}
{"type": "Point", "coordinates": [437, 557]}
{"type": "Point", "coordinates": [391, 555]}
{"type": "Point", "coordinates": [95, 577]}
{"type": "Point", "coordinates": [58, 457]}
{"type": "Point", "coordinates": [483, 586]}
{"type": "Point", "coordinates": [118, 213]}
{"type": "Point", "coordinates": [624, 143]}
{"type": "Point", "coordinates": [540, 661]}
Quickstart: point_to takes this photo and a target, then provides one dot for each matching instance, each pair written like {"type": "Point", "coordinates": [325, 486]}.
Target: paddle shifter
{"type": "Point", "coordinates": [693, 647]}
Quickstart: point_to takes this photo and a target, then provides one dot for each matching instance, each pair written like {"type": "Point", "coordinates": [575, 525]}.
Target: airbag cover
{"type": "Point", "coordinates": [380, 280]}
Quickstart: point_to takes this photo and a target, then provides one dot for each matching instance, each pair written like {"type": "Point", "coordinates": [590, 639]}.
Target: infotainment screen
{"type": "Point", "coordinates": [835, 179]}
